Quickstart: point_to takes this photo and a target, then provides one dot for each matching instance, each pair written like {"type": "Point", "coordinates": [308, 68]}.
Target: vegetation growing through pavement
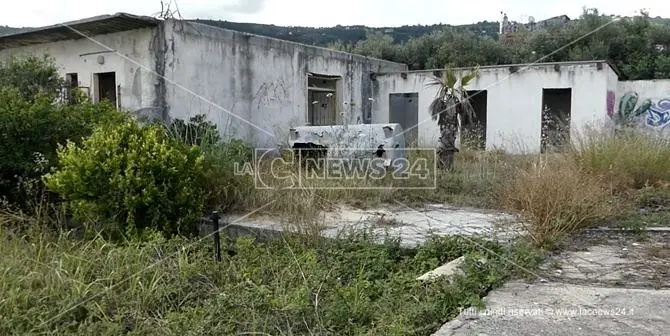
{"type": "Point", "coordinates": [106, 252]}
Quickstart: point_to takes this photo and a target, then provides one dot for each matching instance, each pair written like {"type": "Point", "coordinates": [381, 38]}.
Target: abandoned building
{"type": "Point", "coordinates": [258, 88]}
{"type": "Point", "coordinates": [254, 88]}
{"type": "Point", "coordinates": [527, 107]}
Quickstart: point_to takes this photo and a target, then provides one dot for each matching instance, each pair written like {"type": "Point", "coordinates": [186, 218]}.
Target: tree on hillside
{"type": "Point", "coordinates": [639, 46]}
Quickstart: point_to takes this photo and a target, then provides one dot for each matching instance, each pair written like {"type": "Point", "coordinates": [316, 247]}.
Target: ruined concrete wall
{"type": "Point", "coordinates": [132, 59]}
{"type": "Point", "coordinates": [646, 103]}
{"type": "Point", "coordinates": [253, 87]}
{"type": "Point", "coordinates": [611, 97]}
{"type": "Point", "coordinates": [514, 101]}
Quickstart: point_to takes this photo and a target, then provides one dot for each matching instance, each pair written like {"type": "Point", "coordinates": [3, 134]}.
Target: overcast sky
{"type": "Point", "coordinates": [321, 13]}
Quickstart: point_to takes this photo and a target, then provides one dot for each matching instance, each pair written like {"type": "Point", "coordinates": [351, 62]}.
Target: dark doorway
{"type": "Point", "coordinates": [556, 109]}
{"type": "Point", "coordinates": [71, 84]}
{"type": "Point", "coordinates": [404, 110]}
{"type": "Point", "coordinates": [72, 80]}
{"type": "Point", "coordinates": [474, 131]}
{"type": "Point", "coordinates": [323, 99]}
{"type": "Point", "coordinates": [106, 82]}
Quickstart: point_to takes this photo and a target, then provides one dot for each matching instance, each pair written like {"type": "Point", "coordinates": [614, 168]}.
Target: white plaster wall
{"type": "Point", "coordinates": [611, 98]}
{"type": "Point", "coordinates": [137, 84]}
{"type": "Point", "coordinates": [658, 92]}
{"type": "Point", "coordinates": [514, 101]}
{"type": "Point", "coordinates": [253, 87]}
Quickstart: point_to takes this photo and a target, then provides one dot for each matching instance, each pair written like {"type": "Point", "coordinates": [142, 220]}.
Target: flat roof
{"type": "Point", "coordinates": [520, 65]}
{"type": "Point", "coordinates": [97, 25]}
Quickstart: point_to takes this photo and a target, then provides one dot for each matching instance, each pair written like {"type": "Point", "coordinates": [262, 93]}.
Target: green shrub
{"type": "Point", "coordinates": [198, 131]}
{"type": "Point", "coordinates": [134, 177]}
{"type": "Point", "coordinates": [227, 190]}
{"type": "Point", "coordinates": [30, 132]}
{"type": "Point", "coordinates": [31, 75]}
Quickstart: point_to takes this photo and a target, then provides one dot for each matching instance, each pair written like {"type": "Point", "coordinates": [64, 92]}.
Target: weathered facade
{"type": "Point", "coordinates": [509, 101]}
{"type": "Point", "coordinates": [258, 88]}
{"type": "Point", "coordinates": [254, 88]}
{"type": "Point", "coordinates": [516, 104]}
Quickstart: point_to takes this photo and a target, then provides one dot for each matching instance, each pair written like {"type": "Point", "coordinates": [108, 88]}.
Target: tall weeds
{"type": "Point", "coordinates": [555, 197]}
{"type": "Point", "coordinates": [629, 159]}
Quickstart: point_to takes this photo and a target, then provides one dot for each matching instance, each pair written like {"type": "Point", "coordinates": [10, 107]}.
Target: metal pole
{"type": "Point", "coordinates": [217, 237]}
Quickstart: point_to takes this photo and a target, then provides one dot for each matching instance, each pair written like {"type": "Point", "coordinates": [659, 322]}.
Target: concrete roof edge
{"type": "Point", "coordinates": [93, 19]}
{"type": "Point", "coordinates": [528, 65]}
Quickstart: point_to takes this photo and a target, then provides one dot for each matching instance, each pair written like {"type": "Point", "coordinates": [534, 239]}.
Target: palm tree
{"type": "Point", "coordinates": [450, 105]}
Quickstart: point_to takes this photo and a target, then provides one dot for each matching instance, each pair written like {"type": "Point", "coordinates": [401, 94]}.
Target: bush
{"type": "Point", "coordinates": [33, 122]}
{"type": "Point", "coordinates": [136, 177]}
{"type": "Point", "coordinates": [227, 191]}
{"type": "Point", "coordinates": [32, 76]}
{"type": "Point", "coordinates": [30, 132]}
{"type": "Point", "coordinates": [198, 131]}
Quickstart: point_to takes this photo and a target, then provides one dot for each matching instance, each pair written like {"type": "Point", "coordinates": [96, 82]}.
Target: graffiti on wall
{"type": "Point", "coordinates": [271, 94]}
{"type": "Point", "coordinates": [650, 113]}
{"type": "Point", "coordinates": [611, 99]}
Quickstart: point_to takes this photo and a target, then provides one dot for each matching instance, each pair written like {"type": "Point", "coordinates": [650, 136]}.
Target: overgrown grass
{"type": "Point", "coordinates": [306, 284]}
{"type": "Point", "coordinates": [555, 194]}
{"type": "Point", "coordinates": [595, 180]}
{"type": "Point", "coordinates": [629, 159]}
{"type": "Point", "coordinates": [56, 284]}
{"type": "Point", "coordinates": [555, 197]}
{"type": "Point", "coordinates": [474, 182]}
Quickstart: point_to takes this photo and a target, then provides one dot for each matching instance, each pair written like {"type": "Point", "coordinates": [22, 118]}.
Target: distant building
{"type": "Point", "coordinates": [509, 28]}
{"type": "Point", "coordinates": [556, 21]}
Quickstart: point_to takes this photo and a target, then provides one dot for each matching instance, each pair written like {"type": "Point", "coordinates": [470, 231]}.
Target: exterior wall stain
{"type": "Point", "coordinates": [259, 83]}
{"type": "Point", "coordinates": [610, 103]}
{"type": "Point", "coordinates": [158, 47]}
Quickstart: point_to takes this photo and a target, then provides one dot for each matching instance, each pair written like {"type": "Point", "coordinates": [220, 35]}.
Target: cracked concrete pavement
{"type": "Point", "coordinates": [617, 285]}
{"type": "Point", "coordinates": [413, 226]}
{"type": "Point", "coordinates": [602, 283]}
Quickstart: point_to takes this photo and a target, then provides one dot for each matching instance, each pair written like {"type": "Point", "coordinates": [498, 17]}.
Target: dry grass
{"type": "Point", "coordinates": [631, 159]}
{"type": "Point", "coordinates": [473, 183]}
{"type": "Point", "coordinates": [555, 197]}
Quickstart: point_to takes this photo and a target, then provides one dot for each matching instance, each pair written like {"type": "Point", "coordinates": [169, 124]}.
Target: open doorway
{"type": "Point", "coordinates": [404, 110]}
{"type": "Point", "coordinates": [473, 135]}
{"type": "Point", "coordinates": [323, 97]}
{"type": "Point", "coordinates": [556, 110]}
{"type": "Point", "coordinates": [106, 86]}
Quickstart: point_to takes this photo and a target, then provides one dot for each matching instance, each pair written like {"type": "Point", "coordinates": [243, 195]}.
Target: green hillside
{"type": "Point", "coordinates": [345, 34]}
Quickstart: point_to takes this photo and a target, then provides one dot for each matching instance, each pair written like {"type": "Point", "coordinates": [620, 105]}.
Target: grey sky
{"type": "Point", "coordinates": [323, 13]}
